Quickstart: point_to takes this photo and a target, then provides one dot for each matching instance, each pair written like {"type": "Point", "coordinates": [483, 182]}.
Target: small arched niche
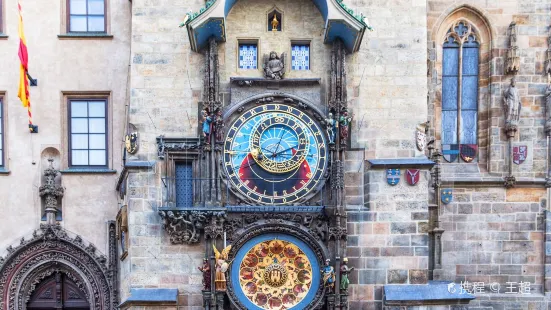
{"type": "Point", "coordinates": [274, 18]}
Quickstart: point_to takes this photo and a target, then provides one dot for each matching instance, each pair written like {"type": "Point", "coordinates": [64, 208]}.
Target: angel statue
{"type": "Point", "coordinates": [222, 266]}
{"type": "Point", "coordinates": [274, 66]}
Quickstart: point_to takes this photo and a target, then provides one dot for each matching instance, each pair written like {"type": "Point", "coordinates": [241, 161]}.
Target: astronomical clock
{"type": "Point", "coordinates": [275, 154]}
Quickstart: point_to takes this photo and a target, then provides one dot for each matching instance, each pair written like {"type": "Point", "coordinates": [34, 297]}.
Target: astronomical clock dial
{"type": "Point", "coordinates": [275, 154]}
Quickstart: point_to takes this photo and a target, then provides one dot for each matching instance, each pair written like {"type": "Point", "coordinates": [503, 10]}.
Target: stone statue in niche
{"type": "Point", "coordinates": [331, 128]}
{"type": "Point", "coordinates": [511, 102]}
{"type": "Point", "coordinates": [274, 66]}
{"type": "Point", "coordinates": [205, 269]}
{"type": "Point", "coordinates": [219, 127]}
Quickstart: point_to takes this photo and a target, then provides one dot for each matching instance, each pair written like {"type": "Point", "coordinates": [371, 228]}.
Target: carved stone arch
{"type": "Point", "coordinates": [476, 16]}
{"type": "Point", "coordinates": [50, 250]}
{"type": "Point", "coordinates": [277, 226]}
{"type": "Point", "coordinates": [479, 25]}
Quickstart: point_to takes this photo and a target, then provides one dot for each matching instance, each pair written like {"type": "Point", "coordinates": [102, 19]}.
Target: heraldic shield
{"type": "Point", "coordinates": [393, 176]}
{"type": "Point", "coordinates": [412, 176]}
{"type": "Point", "coordinates": [446, 195]}
{"type": "Point", "coordinates": [520, 153]}
{"type": "Point", "coordinates": [468, 152]}
{"type": "Point", "coordinates": [450, 152]}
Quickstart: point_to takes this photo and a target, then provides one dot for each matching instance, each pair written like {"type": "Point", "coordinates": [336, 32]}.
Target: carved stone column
{"type": "Point", "coordinates": [513, 58]}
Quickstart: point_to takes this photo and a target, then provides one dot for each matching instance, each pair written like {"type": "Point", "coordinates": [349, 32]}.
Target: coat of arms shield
{"type": "Point", "coordinates": [450, 152]}
{"type": "Point", "coordinates": [520, 153]}
{"type": "Point", "coordinates": [446, 195]}
{"type": "Point", "coordinates": [412, 176]}
{"type": "Point", "coordinates": [393, 176]}
{"type": "Point", "coordinates": [468, 152]}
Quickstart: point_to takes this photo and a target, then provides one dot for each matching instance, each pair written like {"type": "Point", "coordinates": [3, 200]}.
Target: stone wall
{"type": "Point", "coordinates": [388, 241]}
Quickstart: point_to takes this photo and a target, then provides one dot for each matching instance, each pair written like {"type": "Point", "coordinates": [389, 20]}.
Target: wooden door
{"type": "Point", "coordinates": [57, 292]}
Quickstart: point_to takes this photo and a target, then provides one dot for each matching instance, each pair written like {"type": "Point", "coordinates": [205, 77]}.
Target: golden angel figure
{"type": "Point", "coordinates": [222, 266]}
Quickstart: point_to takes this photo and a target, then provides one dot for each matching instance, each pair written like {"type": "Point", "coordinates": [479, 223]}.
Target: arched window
{"type": "Point", "coordinates": [460, 60]}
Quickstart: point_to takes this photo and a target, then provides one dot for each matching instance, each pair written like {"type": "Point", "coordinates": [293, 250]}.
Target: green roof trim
{"type": "Point", "coordinates": [191, 15]}
{"type": "Point", "coordinates": [359, 17]}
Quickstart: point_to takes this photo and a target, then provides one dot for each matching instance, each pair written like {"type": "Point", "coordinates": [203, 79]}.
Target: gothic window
{"type": "Point", "coordinates": [86, 16]}
{"type": "Point", "coordinates": [88, 133]}
{"type": "Point", "coordinates": [300, 56]}
{"type": "Point", "coordinates": [248, 55]}
{"type": "Point", "coordinates": [184, 185]}
{"type": "Point", "coordinates": [460, 93]}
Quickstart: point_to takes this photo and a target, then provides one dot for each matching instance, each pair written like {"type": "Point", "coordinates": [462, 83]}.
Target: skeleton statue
{"type": "Point", "coordinates": [219, 126]}
{"type": "Point", "coordinates": [274, 66]}
{"type": "Point", "coordinates": [511, 101]}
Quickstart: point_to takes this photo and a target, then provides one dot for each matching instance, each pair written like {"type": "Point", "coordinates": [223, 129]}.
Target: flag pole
{"type": "Point", "coordinates": [24, 77]}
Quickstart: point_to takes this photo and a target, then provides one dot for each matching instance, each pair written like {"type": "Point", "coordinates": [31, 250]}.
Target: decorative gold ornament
{"type": "Point", "coordinates": [275, 23]}
{"type": "Point", "coordinates": [275, 274]}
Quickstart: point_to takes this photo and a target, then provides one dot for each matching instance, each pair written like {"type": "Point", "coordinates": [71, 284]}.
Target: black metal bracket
{"type": "Point", "coordinates": [33, 128]}
{"type": "Point", "coordinates": [32, 82]}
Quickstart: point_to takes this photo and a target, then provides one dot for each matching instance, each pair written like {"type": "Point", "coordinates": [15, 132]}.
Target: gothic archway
{"type": "Point", "coordinates": [50, 252]}
{"type": "Point", "coordinates": [58, 291]}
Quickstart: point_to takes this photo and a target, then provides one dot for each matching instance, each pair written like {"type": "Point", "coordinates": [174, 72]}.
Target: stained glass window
{"type": "Point", "coordinates": [300, 54]}
{"type": "Point", "coordinates": [459, 89]}
{"type": "Point", "coordinates": [184, 185]}
{"type": "Point", "coordinates": [248, 54]}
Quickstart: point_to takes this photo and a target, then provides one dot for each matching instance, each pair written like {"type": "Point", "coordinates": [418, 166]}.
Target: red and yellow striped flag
{"type": "Point", "coordinates": [24, 93]}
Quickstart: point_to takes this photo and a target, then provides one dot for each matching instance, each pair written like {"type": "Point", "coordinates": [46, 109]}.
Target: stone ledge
{"type": "Point", "coordinates": [139, 164]}
{"type": "Point", "coordinates": [84, 35]}
{"type": "Point", "coordinates": [433, 293]}
{"type": "Point", "coordinates": [88, 171]}
{"type": "Point", "coordinates": [151, 297]}
{"type": "Point", "coordinates": [249, 81]}
{"type": "Point", "coordinates": [3, 36]}
{"type": "Point", "coordinates": [414, 162]}
{"type": "Point", "coordinates": [4, 171]}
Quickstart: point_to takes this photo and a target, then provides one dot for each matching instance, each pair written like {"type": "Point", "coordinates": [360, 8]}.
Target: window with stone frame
{"type": "Point", "coordinates": [248, 55]}
{"type": "Point", "coordinates": [460, 67]}
{"type": "Point", "coordinates": [300, 56]}
{"type": "Point", "coordinates": [88, 133]}
{"type": "Point", "coordinates": [86, 16]}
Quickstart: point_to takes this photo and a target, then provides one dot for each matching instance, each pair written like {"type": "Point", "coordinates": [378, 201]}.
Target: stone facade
{"type": "Point", "coordinates": [406, 235]}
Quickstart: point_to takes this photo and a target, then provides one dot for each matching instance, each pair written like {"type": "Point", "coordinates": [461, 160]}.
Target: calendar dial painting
{"type": "Point", "coordinates": [275, 274]}
{"type": "Point", "coordinates": [275, 154]}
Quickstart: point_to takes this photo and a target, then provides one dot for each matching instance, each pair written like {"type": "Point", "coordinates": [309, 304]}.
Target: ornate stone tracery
{"type": "Point", "coordinates": [52, 250]}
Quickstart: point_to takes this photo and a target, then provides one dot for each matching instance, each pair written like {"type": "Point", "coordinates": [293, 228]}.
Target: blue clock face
{"type": "Point", "coordinates": [275, 154]}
